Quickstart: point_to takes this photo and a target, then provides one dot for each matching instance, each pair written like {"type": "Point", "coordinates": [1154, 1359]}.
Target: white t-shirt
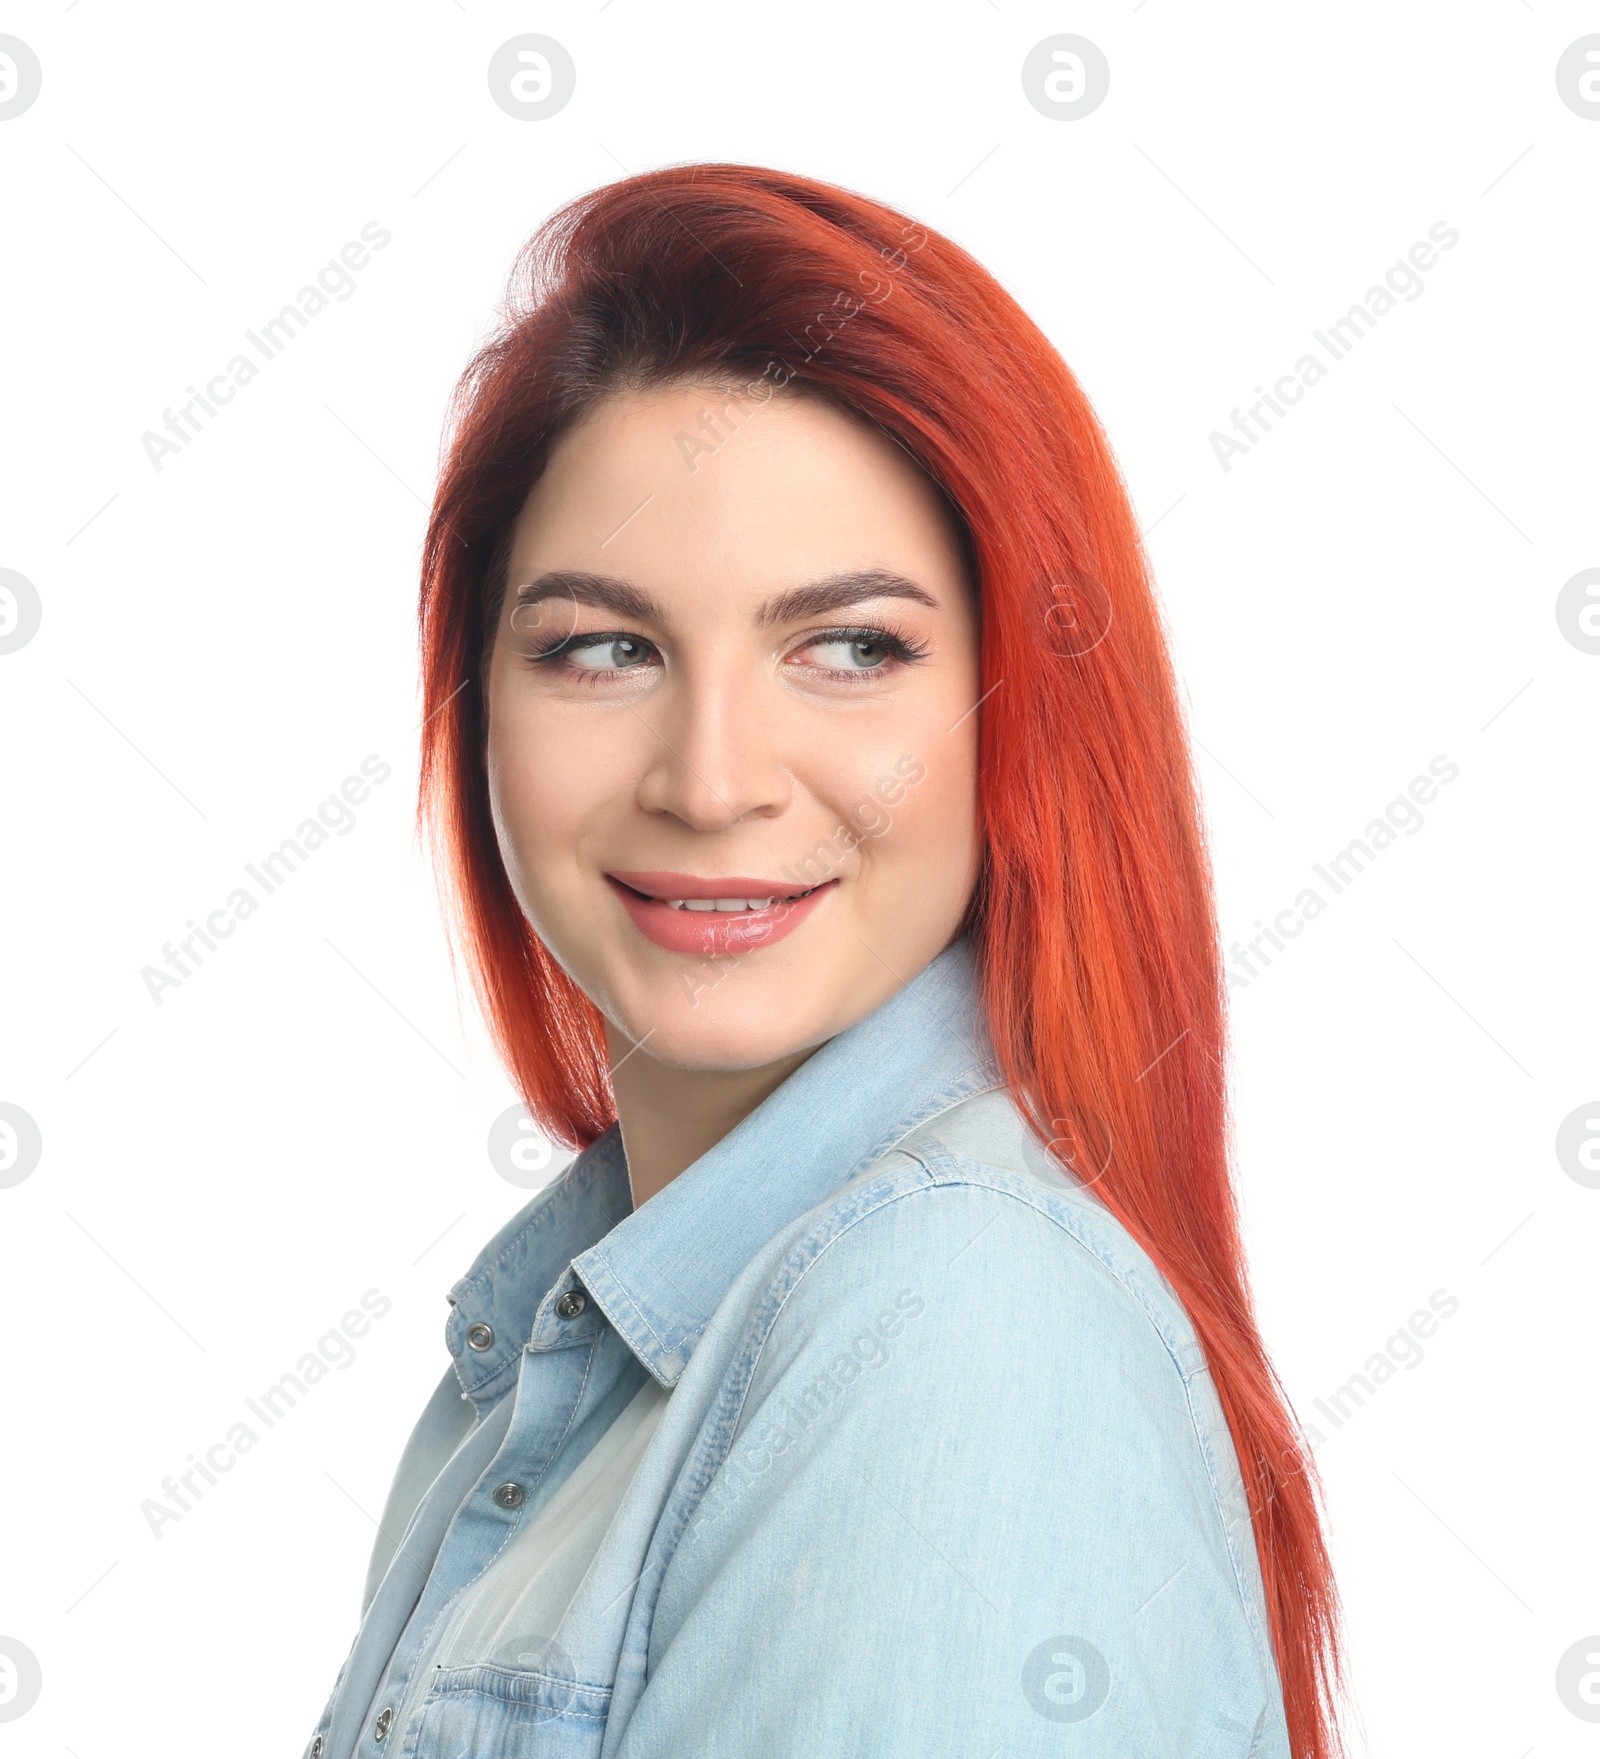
{"type": "Point", "coordinates": [521, 1598]}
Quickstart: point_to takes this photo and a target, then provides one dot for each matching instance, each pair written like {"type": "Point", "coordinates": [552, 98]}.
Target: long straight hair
{"type": "Point", "coordinates": [1094, 922]}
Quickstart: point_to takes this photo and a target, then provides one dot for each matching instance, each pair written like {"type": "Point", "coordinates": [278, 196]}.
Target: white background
{"type": "Point", "coordinates": [224, 640]}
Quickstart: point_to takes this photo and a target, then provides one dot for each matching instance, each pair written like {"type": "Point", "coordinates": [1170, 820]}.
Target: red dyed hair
{"type": "Point", "coordinates": [1094, 924]}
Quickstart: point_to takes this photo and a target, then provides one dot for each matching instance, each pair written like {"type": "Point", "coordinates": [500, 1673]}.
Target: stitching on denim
{"type": "Point", "coordinates": [537, 1220]}
{"type": "Point", "coordinates": [852, 1200]}
{"type": "Point", "coordinates": [961, 1165]}
{"type": "Point", "coordinates": [954, 1092]}
{"type": "Point", "coordinates": [499, 1372]}
{"type": "Point", "coordinates": [545, 1712]}
{"type": "Point", "coordinates": [458, 1682]}
{"type": "Point", "coordinates": [960, 1170]}
{"type": "Point", "coordinates": [815, 1259]}
{"type": "Point", "coordinates": [540, 1219]}
{"type": "Point", "coordinates": [1258, 1735]}
{"type": "Point", "coordinates": [621, 1288]}
{"type": "Point", "coordinates": [506, 1537]}
{"type": "Point", "coordinates": [1258, 1631]}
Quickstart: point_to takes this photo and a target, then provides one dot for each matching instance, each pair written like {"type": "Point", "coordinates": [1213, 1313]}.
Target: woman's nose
{"type": "Point", "coordinates": [712, 757]}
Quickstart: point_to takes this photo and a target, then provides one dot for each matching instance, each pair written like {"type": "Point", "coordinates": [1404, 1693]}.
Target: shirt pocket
{"type": "Point", "coordinates": [494, 1712]}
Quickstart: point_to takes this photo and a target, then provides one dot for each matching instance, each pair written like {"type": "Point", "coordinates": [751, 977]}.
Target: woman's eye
{"type": "Point", "coordinates": [608, 653]}
{"type": "Point", "coordinates": [859, 653]}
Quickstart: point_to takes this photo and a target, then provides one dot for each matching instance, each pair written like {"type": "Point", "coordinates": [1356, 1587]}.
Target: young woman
{"type": "Point", "coordinates": [881, 1377]}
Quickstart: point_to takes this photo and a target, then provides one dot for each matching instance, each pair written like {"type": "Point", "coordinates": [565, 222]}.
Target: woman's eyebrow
{"type": "Point", "coordinates": [603, 591]}
{"type": "Point", "coordinates": [624, 599]}
{"type": "Point", "coordinates": [839, 590]}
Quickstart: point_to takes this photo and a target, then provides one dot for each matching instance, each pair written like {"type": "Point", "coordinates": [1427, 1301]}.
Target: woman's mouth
{"type": "Point", "coordinates": [685, 913]}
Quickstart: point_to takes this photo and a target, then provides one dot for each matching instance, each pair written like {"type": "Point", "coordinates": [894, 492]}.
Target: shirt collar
{"type": "Point", "coordinates": [658, 1273]}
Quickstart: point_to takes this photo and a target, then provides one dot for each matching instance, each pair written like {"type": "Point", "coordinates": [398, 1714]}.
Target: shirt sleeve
{"type": "Point", "coordinates": [966, 1509]}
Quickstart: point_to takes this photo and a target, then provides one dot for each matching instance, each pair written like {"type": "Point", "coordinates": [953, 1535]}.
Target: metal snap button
{"type": "Point", "coordinates": [316, 1748]}
{"type": "Point", "coordinates": [381, 1727]}
{"type": "Point", "coordinates": [509, 1496]}
{"type": "Point", "coordinates": [480, 1336]}
{"type": "Point", "coordinates": [572, 1303]}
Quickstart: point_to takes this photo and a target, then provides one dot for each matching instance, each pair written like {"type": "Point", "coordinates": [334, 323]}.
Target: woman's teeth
{"type": "Point", "coordinates": [723, 904]}
{"type": "Point", "coordinates": [730, 905]}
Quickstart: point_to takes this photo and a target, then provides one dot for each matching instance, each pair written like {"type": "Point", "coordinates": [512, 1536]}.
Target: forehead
{"type": "Point", "coordinates": [751, 494]}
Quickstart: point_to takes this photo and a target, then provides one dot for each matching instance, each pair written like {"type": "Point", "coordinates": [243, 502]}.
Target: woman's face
{"type": "Point", "coordinates": [732, 730]}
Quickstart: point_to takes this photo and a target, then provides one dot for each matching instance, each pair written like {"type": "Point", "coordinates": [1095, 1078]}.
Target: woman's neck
{"type": "Point", "coordinates": [669, 1117]}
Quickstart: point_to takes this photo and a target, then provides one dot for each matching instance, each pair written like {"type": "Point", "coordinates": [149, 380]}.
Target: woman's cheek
{"type": "Point", "coordinates": [552, 772]}
{"type": "Point", "coordinates": [871, 818]}
{"type": "Point", "coordinates": [531, 796]}
{"type": "Point", "coordinates": [936, 812]}
{"type": "Point", "coordinates": [884, 807]}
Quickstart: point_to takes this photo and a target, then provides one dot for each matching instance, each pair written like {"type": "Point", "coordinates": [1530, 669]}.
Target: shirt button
{"type": "Point", "coordinates": [572, 1303]}
{"type": "Point", "coordinates": [480, 1336]}
{"type": "Point", "coordinates": [509, 1496]}
{"type": "Point", "coordinates": [381, 1727]}
{"type": "Point", "coordinates": [316, 1748]}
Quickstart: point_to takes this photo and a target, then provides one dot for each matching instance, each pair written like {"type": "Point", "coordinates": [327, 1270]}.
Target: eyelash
{"type": "Point", "coordinates": [901, 650]}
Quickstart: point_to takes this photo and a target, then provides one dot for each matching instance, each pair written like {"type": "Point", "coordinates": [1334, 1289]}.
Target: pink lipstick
{"type": "Point", "coordinates": [688, 913]}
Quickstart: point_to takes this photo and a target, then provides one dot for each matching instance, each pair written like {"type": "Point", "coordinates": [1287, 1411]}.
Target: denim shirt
{"type": "Point", "coordinates": [942, 1468]}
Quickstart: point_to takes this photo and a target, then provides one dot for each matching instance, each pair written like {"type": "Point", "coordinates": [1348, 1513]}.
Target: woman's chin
{"type": "Point", "coordinates": [750, 1029]}
{"type": "Point", "coordinates": [713, 1047]}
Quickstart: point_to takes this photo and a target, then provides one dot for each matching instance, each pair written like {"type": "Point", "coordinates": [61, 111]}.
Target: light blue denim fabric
{"type": "Point", "coordinates": [942, 1472]}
